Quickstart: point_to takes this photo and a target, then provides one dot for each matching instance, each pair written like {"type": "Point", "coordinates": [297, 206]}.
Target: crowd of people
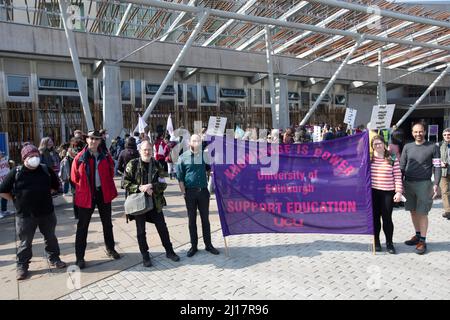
{"type": "Point", "coordinates": [87, 168]}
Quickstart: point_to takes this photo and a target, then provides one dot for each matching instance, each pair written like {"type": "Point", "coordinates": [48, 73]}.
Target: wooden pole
{"type": "Point", "coordinates": [373, 245]}
{"type": "Point", "coordinates": [227, 251]}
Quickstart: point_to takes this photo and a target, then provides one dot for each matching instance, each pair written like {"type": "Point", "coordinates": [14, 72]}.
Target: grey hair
{"type": "Point", "coordinates": [144, 141]}
{"type": "Point", "coordinates": [446, 130]}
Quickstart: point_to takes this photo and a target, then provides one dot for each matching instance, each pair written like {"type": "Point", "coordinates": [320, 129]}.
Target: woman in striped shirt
{"type": "Point", "coordinates": [387, 188]}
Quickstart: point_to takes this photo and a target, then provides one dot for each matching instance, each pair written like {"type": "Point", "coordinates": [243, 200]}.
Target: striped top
{"type": "Point", "coordinates": [385, 176]}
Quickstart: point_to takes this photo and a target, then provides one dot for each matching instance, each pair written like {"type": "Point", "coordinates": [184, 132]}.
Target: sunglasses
{"type": "Point", "coordinates": [93, 138]}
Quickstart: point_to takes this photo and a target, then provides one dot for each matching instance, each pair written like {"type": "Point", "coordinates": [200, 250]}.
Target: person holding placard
{"type": "Point", "coordinates": [386, 188]}
{"type": "Point", "coordinates": [419, 160]}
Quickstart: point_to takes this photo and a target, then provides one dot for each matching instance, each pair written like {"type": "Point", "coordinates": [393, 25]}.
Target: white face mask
{"type": "Point", "coordinates": [34, 162]}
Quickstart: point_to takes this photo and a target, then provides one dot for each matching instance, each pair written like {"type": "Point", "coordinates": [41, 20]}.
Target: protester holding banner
{"type": "Point", "coordinates": [386, 189]}
{"type": "Point", "coordinates": [136, 179]}
{"type": "Point", "coordinates": [419, 160]}
{"type": "Point", "coordinates": [192, 171]}
{"type": "Point", "coordinates": [445, 179]}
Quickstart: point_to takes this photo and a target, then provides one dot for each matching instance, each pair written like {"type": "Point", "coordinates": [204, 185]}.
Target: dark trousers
{"type": "Point", "coordinates": [382, 208]}
{"type": "Point", "coordinates": [4, 204]}
{"type": "Point", "coordinates": [84, 218]}
{"type": "Point", "coordinates": [26, 228]}
{"type": "Point", "coordinates": [198, 199]}
{"type": "Point", "coordinates": [158, 219]}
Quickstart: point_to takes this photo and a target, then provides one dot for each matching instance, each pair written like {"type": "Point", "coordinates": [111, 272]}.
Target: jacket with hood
{"type": "Point", "coordinates": [130, 152]}
{"type": "Point", "coordinates": [83, 177]}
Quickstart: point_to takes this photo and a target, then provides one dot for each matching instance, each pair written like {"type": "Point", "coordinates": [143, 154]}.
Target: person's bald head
{"type": "Point", "coordinates": [195, 142]}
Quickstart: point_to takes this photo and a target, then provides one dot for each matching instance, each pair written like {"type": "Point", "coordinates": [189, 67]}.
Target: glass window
{"type": "Point", "coordinates": [180, 93]}
{"type": "Point", "coordinates": [125, 90]}
{"type": "Point", "coordinates": [339, 99]}
{"type": "Point", "coordinates": [137, 93]}
{"type": "Point", "coordinates": [18, 86]}
{"type": "Point", "coordinates": [209, 94]}
{"type": "Point", "coordinates": [192, 93]}
{"type": "Point", "coordinates": [267, 97]}
{"type": "Point", "coordinates": [100, 89]}
{"type": "Point", "coordinates": [325, 99]}
{"type": "Point", "coordinates": [257, 96]}
{"type": "Point", "coordinates": [90, 87]}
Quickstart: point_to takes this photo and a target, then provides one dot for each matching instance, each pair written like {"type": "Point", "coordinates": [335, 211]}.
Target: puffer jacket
{"type": "Point", "coordinates": [134, 175]}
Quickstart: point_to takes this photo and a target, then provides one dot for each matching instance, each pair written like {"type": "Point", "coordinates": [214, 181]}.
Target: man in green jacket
{"type": "Point", "coordinates": [136, 180]}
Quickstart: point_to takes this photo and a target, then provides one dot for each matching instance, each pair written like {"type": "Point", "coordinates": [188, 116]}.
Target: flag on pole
{"type": "Point", "coordinates": [169, 126]}
{"type": "Point", "coordinates": [141, 124]}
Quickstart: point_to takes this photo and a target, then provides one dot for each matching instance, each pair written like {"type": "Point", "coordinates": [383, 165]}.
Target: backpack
{"type": "Point", "coordinates": [19, 171]}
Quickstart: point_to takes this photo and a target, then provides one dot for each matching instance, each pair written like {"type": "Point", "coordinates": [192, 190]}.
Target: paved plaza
{"type": "Point", "coordinates": [259, 266]}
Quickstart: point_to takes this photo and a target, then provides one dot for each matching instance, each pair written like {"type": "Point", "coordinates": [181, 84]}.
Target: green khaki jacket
{"type": "Point", "coordinates": [133, 179]}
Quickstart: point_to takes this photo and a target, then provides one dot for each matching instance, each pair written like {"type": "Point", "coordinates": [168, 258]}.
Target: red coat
{"type": "Point", "coordinates": [82, 167]}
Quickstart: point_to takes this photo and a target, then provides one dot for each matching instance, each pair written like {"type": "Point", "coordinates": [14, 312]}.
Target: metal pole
{"type": "Point", "coordinates": [175, 65]}
{"type": "Point", "coordinates": [153, 41]}
{"type": "Point", "coordinates": [275, 114]}
{"type": "Point", "coordinates": [76, 64]}
{"type": "Point", "coordinates": [381, 90]}
{"type": "Point", "coordinates": [331, 82]}
{"type": "Point", "coordinates": [382, 12]}
{"type": "Point", "coordinates": [291, 25]}
{"type": "Point", "coordinates": [124, 19]}
{"type": "Point", "coordinates": [414, 106]}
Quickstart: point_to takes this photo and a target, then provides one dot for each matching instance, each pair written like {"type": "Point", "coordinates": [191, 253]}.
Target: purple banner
{"type": "Point", "coordinates": [321, 187]}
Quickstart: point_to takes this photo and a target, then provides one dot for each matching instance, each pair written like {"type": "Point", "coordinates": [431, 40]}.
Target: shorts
{"type": "Point", "coordinates": [419, 196]}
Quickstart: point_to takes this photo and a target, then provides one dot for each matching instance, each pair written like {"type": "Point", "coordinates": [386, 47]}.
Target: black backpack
{"type": "Point", "coordinates": [19, 172]}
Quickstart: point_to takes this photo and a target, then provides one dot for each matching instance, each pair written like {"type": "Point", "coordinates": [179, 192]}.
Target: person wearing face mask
{"type": "Point", "coordinates": [137, 179]}
{"type": "Point", "coordinates": [192, 172]}
{"type": "Point", "coordinates": [30, 187]}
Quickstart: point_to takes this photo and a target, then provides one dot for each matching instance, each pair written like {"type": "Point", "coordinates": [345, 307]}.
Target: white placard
{"type": "Point", "coordinates": [350, 117]}
{"type": "Point", "coordinates": [381, 116]}
{"type": "Point", "coordinates": [317, 133]}
{"type": "Point", "coordinates": [216, 126]}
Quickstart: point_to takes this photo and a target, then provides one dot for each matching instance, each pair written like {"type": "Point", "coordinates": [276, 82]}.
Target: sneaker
{"type": "Point", "coordinates": [390, 248]}
{"type": "Point", "coordinates": [58, 264]}
{"type": "Point", "coordinates": [2, 214]}
{"type": "Point", "coordinates": [192, 251]}
{"type": "Point", "coordinates": [212, 250]}
{"type": "Point", "coordinates": [173, 256]}
{"type": "Point", "coordinates": [413, 241]}
{"type": "Point", "coordinates": [22, 274]}
{"type": "Point", "coordinates": [446, 215]}
{"type": "Point", "coordinates": [421, 247]}
{"type": "Point", "coordinates": [81, 263]}
{"type": "Point", "coordinates": [113, 254]}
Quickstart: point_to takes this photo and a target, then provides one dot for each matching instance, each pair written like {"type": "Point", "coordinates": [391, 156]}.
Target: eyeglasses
{"type": "Point", "coordinates": [378, 144]}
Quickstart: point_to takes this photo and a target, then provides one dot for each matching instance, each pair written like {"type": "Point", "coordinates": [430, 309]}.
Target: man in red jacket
{"type": "Point", "coordinates": [93, 173]}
